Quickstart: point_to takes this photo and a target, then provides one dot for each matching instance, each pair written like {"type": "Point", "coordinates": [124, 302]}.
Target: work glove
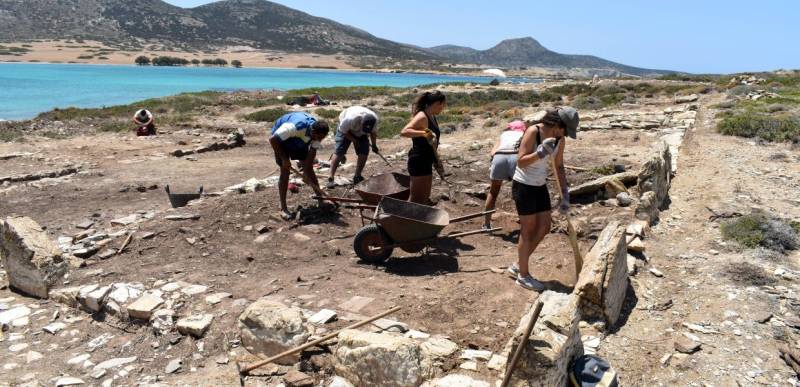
{"type": "Point", "coordinates": [430, 136]}
{"type": "Point", "coordinates": [375, 148]}
{"type": "Point", "coordinates": [546, 148]}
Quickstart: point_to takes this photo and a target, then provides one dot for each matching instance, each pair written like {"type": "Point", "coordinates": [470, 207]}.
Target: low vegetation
{"type": "Point", "coordinates": [769, 110]}
{"type": "Point", "coordinates": [759, 229]}
{"type": "Point", "coordinates": [266, 115]}
{"type": "Point", "coordinates": [177, 104]}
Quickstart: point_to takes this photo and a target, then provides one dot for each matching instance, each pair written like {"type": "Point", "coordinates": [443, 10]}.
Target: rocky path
{"type": "Point", "coordinates": [705, 292]}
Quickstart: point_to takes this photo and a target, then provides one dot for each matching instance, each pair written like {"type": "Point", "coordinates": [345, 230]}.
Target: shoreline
{"type": "Point", "coordinates": [319, 69]}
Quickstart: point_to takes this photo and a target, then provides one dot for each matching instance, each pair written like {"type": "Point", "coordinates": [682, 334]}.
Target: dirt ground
{"type": "Point", "coordinates": [452, 289]}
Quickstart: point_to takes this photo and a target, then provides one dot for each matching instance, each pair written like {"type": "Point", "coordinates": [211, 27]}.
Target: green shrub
{"type": "Point", "coordinates": [266, 115]}
{"type": "Point", "coordinates": [759, 229]}
{"type": "Point", "coordinates": [327, 113]}
{"type": "Point", "coordinates": [770, 128]}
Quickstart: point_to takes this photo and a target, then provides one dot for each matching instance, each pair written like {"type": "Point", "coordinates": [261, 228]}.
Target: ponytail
{"type": "Point", "coordinates": [425, 100]}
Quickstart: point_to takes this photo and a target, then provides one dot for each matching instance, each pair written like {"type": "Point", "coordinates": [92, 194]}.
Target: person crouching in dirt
{"type": "Point", "coordinates": [504, 164]}
{"type": "Point", "coordinates": [145, 124]}
{"type": "Point", "coordinates": [540, 143]}
{"type": "Point", "coordinates": [423, 130]}
{"type": "Point", "coordinates": [297, 136]}
{"type": "Point", "coordinates": [359, 126]}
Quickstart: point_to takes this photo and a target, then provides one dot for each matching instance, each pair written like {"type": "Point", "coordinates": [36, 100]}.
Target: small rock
{"type": "Point", "coordinates": [126, 221]}
{"type": "Point", "coordinates": [762, 318]}
{"type": "Point", "coordinates": [221, 359]}
{"type": "Point", "coordinates": [54, 327]}
{"type": "Point", "coordinates": [624, 199]}
{"type": "Point", "coordinates": [684, 345]}
{"type": "Point", "coordinates": [338, 381]}
{"type": "Point", "coordinates": [414, 334]}
{"type": "Point", "coordinates": [85, 225]}
{"type": "Point", "coordinates": [324, 316]}
{"type": "Point", "coordinates": [295, 378]}
{"type": "Point", "coordinates": [216, 298]}
{"type": "Point", "coordinates": [79, 359]}
{"type": "Point", "coordinates": [631, 264]}
{"type": "Point", "coordinates": [97, 374]}
{"type": "Point", "coordinates": [636, 246]}
{"type": "Point", "coordinates": [301, 238]}
{"type": "Point", "coordinates": [195, 325]}
{"type": "Point", "coordinates": [656, 272]}
{"type": "Point", "coordinates": [144, 307]}
{"type": "Point", "coordinates": [68, 381]}
{"type": "Point", "coordinates": [262, 229]}
{"type": "Point", "coordinates": [173, 366]}
{"type": "Point", "coordinates": [469, 365]}
{"type": "Point", "coordinates": [193, 290]}
{"type": "Point", "coordinates": [497, 363]}
{"type": "Point", "coordinates": [114, 363]}
{"type": "Point", "coordinates": [472, 354]}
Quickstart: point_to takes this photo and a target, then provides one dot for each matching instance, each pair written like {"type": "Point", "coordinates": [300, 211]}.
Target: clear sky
{"type": "Point", "coordinates": [696, 36]}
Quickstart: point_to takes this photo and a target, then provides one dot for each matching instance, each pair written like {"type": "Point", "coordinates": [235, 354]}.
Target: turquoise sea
{"type": "Point", "coordinates": [27, 89]}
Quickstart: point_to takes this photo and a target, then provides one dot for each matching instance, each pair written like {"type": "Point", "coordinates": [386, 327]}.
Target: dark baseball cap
{"type": "Point", "coordinates": [569, 116]}
{"type": "Point", "coordinates": [368, 124]}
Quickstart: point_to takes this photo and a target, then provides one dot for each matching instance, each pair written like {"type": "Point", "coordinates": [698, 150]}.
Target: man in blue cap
{"type": "Point", "coordinates": [297, 136]}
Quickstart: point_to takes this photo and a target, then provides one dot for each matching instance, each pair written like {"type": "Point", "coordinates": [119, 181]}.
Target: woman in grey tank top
{"type": "Point", "coordinates": [541, 142]}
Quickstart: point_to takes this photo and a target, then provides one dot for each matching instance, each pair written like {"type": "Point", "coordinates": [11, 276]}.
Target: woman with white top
{"type": "Point", "coordinates": [504, 163]}
{"type": "Point", "coordinates": [541, 142]}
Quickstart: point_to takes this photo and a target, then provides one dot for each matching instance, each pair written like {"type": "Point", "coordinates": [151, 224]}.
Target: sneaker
{"type": "Point", "coordinates": [357, 179]}
{"type": "Point", "coordinates": [513, 271]}
{"type": "Point", "coordinates": [286, 215]}
{"type": "Point", "coordinates": [530, 283]}
{"type": "Point", "coordinates": [331, 184]}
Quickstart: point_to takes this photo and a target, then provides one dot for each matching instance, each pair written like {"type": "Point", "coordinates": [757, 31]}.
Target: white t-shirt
{"type": "Point", "coordinates": [138, 116]}
{"type": "Point", "coordinates": [289, 130]}
{"type": "Point", "coordinates": [508, 141]}
{"type": "Point", "coordinates": [351, 120]}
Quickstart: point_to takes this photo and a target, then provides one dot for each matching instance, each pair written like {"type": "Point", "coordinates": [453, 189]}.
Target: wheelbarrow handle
{"type": "Point", "coordinates": [472, 216]}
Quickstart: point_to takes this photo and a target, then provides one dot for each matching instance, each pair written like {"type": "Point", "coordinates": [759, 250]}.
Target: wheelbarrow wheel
{"type": "Point", "coordinates": [369, 244]}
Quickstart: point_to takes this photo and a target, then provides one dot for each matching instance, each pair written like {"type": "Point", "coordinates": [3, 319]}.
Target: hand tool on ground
{"type": "Point", "coordinates": [383, 158]}
{"type": "Point", "coordinates": [305, 180]}
{"type": "Point", "coordinates": [125, 244]}
{"type": "Point", "coordinates": [245, 370]}
{"type": "Point", "coordinates": [522, 343]}
{"type": "Point", "coordinates": [573, 236]}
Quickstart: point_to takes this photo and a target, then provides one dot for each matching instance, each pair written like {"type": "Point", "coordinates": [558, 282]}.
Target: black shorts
{"type": "Point", "coordinates": [294, 154]}
{"type": "Point", "coordinates": [420, 165]}
{"type": "Point", "coordinates": [530, 199]}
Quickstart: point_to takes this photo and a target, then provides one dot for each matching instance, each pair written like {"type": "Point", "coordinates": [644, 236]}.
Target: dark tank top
{"type": "Point", "coordinates": [420, 146]}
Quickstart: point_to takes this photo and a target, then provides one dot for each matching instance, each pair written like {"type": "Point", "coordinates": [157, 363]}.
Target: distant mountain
{"type": "Point", "coordinates": [255, 23]}
{"type": "Point", "coordinates": [527, 52]}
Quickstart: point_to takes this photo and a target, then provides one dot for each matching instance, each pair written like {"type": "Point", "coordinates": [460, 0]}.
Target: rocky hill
{"type": "Point", "coordinates": [255, 23]}
{"type": "Point", "coordinates": [529, 52]}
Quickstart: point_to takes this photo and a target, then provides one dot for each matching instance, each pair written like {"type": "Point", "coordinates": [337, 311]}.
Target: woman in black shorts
{"type": "Point", "coordinates": [541, 142]}
{"type": "Point", "coordinates": [423, 130]}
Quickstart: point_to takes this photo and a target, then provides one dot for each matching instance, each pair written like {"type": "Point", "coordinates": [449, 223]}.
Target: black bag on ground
{"type": "Point", "coordinates": [592, 371]}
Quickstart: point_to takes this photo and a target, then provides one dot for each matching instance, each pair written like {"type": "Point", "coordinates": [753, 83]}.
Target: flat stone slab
{"type": "Point", "coordinates": [144, 307]}
{"type": "Point", "coordinates": [195, 325]}
{"type": "Point", "coordinates": [323, 316]}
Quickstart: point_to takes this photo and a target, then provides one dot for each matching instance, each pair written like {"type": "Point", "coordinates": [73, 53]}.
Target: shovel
{"type": "Point", "coordinates": [573, 236]}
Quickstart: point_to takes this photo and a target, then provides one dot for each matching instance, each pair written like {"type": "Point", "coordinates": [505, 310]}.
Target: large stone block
{"type": "Point", "coordinates": [554, 343]}
{"type": "Point", "coordinates": [269, 328]}
{"type": "Point", "coordinates": [32, 261]}
{"type": "Point", "coordinates": [381, 360]}
{"type": "Point", "coordinates": [655, 176]}
{"type": "Point", "coordinates": [603, 282]}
